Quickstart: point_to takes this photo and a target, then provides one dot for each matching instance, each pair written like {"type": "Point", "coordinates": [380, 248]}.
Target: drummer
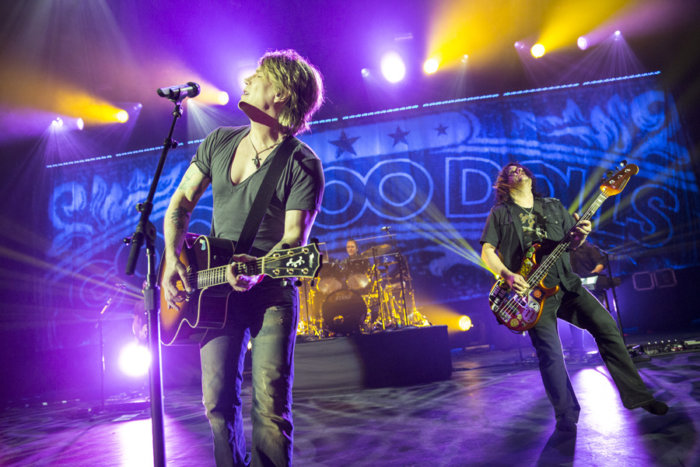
{"type": "Point", "coordinates": [355, 267]}
{"type": "Point", "coordinates": [355, 260]}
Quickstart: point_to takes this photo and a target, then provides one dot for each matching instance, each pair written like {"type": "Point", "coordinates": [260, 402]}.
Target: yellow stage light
{"type": "Point", "coordinates": [431, 65]}
{"type": "Point", "coordinates": [222, 98]}
{"type": "Point", "coordinates": [537, 50]}
{"type": "Point", "coordinates": [122, 116]}
{"type": "Point", "coordinates": [465, 323]}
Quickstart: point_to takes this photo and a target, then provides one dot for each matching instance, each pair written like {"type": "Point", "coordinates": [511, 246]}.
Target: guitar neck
{"type": "Point", "coordinates": [562, 246]}
{"type": "Point", "coordinates": [217, 276]}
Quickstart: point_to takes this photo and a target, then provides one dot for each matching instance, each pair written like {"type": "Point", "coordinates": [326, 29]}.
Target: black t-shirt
{"type": "Point", "coordinates": [300, 186]}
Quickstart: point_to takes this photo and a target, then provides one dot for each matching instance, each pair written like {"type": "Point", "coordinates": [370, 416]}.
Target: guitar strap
{"type": "Point", "coordinates": [264, 196]}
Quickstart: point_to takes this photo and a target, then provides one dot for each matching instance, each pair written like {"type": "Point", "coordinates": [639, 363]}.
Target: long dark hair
{"type": "Point", "coordinates": [503, 188]}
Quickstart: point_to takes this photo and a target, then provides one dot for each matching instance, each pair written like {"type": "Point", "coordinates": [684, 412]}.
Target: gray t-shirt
{"type": "Point", "coordinates": [300, 187]}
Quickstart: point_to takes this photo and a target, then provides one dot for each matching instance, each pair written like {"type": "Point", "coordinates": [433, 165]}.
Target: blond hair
{"type": "Point", "coordinates": [302, 83]}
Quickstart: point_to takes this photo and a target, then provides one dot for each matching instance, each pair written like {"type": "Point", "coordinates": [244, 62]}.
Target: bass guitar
{"type": "Point", "coordinates": [206, 260]}
{"type": "Point", "coordinates": [521, 312]}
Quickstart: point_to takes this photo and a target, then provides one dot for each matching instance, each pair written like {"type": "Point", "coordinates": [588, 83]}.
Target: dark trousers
{"type": "Point", "coordinates": [579, 308]}
{"type": "Point", "coordinates": [272, 329]}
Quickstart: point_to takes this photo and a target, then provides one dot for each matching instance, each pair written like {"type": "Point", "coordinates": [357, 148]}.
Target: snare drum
{"type": "Point", "coordinates": [344, 311]}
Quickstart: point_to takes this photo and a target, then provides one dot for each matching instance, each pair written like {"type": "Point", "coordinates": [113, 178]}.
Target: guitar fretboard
{"type": "Point", "coordinates": [561, 247]}
{"type": "Point", "coordinates": [217, 276]}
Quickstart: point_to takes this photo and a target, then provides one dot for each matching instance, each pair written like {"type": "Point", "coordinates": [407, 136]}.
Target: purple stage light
{"type": "Point", "coordinates": [365, 72]}
{"type": "Point", "coordinates": [134, 360]}
{"type": "Point", "coordinates": [393, 67]}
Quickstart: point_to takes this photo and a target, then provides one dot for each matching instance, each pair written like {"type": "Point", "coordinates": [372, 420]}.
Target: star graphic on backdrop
{"type": "Point", "coordinates": [344, 144]}
{"type": "Point", "coordinates": [441, 129]}
{"type": "Point", "coordinates": [399, 136]}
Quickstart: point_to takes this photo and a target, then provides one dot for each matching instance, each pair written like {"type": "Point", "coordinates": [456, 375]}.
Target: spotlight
{"type": "Point", "coordinates": [80, 124]}
{"type": "Point", "coordinates": [393, 67]}
{"type": "Point", "coordinates": [618, 33]}
{"type": "Point", "coordinates": [134, 360]}
{"type": "Point", "coordinates": [57, 123]}
{"type": "Point", "coordinates": [465, 323]}
{"type": "Point", "coordinates": [365, 72]}
{"type": "Point", "coordinates": [222, 98]}
{"type": "Point", "coordinates": [537, 50]}
{"type": "Point", "coordinates": [465, 58]}
{"type": "Point", "coordinates": [519, 45]}
{"type": "Point", "coordinates": [431, 65]}
{"type": "Point", "coordinates": [122, 116]}
{"type": "Point", "coordinates": [582, 43]}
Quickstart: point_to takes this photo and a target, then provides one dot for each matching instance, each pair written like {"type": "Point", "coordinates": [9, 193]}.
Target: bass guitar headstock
{"type": "Point", "coordinates": [615, 182]}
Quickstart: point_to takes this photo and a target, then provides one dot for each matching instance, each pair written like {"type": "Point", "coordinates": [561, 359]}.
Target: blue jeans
{"type": "Point", "coordinates": [272, 329]}
{"type": "Point", "coordinates": [579, 308]}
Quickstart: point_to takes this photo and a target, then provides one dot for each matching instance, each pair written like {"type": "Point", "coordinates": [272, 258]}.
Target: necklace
{"type": "Point", "coordinates": [527, 211]}
{"type": "Point", "coordinates": [256, 158]}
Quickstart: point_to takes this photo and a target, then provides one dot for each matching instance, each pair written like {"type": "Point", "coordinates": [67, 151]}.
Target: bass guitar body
{"type": "Point", "coordinates": [521, 312]}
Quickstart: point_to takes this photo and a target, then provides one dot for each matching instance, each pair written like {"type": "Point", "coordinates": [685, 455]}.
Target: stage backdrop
{"type": "Point", "coordinates": [426, 173]}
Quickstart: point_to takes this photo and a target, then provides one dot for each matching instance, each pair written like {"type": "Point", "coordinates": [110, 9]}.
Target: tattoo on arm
{"type": "Point", "coordinates": [180, 218]}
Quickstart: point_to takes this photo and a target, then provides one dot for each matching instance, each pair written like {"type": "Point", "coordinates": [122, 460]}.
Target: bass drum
{"type": "Point", "coordinates": [330, 278]}
{"type": "Point", "coordinates": [343, 312]}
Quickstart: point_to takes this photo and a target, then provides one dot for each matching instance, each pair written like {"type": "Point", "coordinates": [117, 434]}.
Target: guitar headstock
{"type": "Point", "coordinates": [302, 261]}
{"type": "Point", "coordinates": [614, 183]}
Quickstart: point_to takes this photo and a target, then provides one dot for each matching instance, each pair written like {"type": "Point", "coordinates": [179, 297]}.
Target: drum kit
{"type": "Point", "coordinates": [367, 292]}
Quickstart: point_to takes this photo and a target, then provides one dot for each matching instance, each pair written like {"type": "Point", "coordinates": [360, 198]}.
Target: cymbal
{"type": "Point", "coordinates": [376, 250]}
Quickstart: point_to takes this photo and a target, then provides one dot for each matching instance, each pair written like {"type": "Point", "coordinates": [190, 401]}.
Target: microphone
{"type": "Point", "coordinates": [180, 92]}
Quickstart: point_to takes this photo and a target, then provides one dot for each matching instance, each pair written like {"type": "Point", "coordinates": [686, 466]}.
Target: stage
{"type": "Point", "coordinates": [491, 410]}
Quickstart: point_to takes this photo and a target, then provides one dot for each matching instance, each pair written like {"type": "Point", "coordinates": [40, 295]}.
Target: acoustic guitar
{"type": "Point", "coordinates": [206, 259]}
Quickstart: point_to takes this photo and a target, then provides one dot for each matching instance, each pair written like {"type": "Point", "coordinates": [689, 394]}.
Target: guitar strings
{"type": "Point", "coordinates": [217, 271]}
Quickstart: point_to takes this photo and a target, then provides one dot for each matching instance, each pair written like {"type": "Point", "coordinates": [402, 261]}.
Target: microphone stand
{"type": "Point", "coordinates": [146, 232]}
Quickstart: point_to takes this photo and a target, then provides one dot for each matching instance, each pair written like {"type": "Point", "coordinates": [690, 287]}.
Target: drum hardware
{"type": "Point", "coordinates": [369, 292]}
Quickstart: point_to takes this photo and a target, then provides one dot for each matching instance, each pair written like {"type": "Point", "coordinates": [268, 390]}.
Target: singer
{"type": "Point", "coordinates": [279, 100]}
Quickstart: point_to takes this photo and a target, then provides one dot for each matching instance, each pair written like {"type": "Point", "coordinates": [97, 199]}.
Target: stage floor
{"type": "Point", "coordinates": [492, 411]}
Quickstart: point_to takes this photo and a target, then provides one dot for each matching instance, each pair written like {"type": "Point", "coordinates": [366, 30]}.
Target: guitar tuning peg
{"type": "Point", "coordinates": [312, 283]}
{"type": "Point", "coordinates": [608, 174]}
{"type": "Point", "coordinates": [623, 163]}
{"type": "Point", "coordinates": [297, 283]}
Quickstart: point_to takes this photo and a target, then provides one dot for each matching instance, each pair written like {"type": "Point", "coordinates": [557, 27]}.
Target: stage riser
{"type": "Point", "coordinates": [391, 358]}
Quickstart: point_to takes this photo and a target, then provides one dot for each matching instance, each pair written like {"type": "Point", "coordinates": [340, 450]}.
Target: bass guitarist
{"type": "Point", "coordinates": [520, 218]}
{"type": "Point", "coordinates": [279, 100]}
